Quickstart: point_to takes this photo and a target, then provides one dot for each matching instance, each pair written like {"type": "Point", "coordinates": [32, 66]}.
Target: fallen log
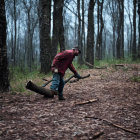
{"type": "Point", "coordinates": [86, 102]}
{"type": "Point", "coordinates": [113, 124]}
{"type": "Point", "coordinates": [43, 91]}
{"type": "Point", "coordinates": [38, 89]}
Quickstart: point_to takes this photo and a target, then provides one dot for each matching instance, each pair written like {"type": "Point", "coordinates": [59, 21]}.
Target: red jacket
{"type": "Point", "coordinates": [62, 61]}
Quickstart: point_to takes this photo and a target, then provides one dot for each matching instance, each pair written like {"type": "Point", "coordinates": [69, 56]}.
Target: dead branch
{"type": "Point", "coordinates": [119, 65]}
{"type": "Point", "coordinates": [115, 125]}
{"type": "Point", "coordinates": [83, 77]}
{"type": "Point", "coordinates": [46, 83]}
{"type": "Point", "coordinates": [67, 80]}
{"type": "Point", "coordinates": [44, 79]}
{"type": "Point", "coordinates": [88, 64]}
{"type": "Point", "coordinates": [103, 67]}
{"type": "Point", "coordinates": [86, 102]}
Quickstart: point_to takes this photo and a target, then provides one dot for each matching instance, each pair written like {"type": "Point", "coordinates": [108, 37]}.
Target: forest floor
{"type": "Point", "coordinates": [114, 115]}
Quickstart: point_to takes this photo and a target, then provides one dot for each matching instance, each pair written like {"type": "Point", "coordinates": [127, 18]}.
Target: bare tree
{"type": "Point", "coordinates": [120, 30]}
{"type": "Point", "coordinates": [4, 72]}
{"type": "Point", "coordinates": [113, 11]}
{"type": "Point", "coordinates": [130, 40]}
{"type": "Point", "coordinates": [134, 52]}
{"type": "Point", "coordinates": [83, 45]}
{"type": "Point", "coordinates": [90, 34]}
{"type": "Point", "coordinates": [58, 29]}
{"type": "Point", "coordinates": [32, 21]}
{"type": "Point", "coordinates": [100, 29]}
{"type": "Point", "coordinates": [139, 30]}
{"type": "Point", "coordinates": [45, 40]}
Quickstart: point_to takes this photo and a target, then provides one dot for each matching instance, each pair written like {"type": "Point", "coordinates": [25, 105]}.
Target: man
{"type": "Point", "coordinates": [61, 62]}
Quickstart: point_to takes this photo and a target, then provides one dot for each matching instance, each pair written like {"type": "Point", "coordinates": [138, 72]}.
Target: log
{"type": "Point", "coordinates": [43, 91]}
{"type": "Point", "coordinates": [38, 89]}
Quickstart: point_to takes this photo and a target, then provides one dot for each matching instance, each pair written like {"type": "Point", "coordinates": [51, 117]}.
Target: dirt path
{"type": "Point", "coordinates": [33, 117]}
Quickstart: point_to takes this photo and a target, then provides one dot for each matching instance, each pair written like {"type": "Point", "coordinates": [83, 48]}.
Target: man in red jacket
{"type": "Point", "coordinates": [61, 62]}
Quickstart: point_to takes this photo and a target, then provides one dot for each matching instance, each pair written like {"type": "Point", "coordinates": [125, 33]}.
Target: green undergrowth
{"type": "Point", "coordinates": [110, 62]}
{"type": "Point", "coordinates": [135, 79]}
{"type": "Point", "coordinates": [19, 77]}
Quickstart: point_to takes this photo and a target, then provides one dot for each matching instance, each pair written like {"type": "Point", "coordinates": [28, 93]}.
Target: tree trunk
{"type": "Point", "coordinates": [58, 28]}
{"type": "Point", "coordinates": [80, 59]}
{"type": "Point", "coordinates": [15, 37]}
{"type": "Point", "coordinates": [61, 28]}
{"type": "Point", "coordinates": [134, 32]}
{"type": "Point", "coordinates": [120, 30]}
{"type": "Point", "coordinates": [4, 72]}
{"type": "Point", "coordinates": [100, 30]}
{"type": "Point", "coordinates": [139, 30]}
{"type": "Point", "coordinates": [90, 34]}
{"type": "Point", "coordinates": [45, 41]}
{"type": "Point", "coordinates": [97, 40]}
{"type": "Point", "coordinates": [83, 31]}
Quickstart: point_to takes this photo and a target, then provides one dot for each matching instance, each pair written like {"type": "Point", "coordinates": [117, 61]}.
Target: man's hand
{"type": "Point", "coordinates": [77, 76]}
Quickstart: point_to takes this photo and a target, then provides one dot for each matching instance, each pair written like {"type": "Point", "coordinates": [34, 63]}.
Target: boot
{"type": "Point", "coordinates": [61, 98]}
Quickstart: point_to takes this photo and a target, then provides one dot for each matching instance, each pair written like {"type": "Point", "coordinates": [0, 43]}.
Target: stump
{"type": "Point", "coordinates": [38, 89]}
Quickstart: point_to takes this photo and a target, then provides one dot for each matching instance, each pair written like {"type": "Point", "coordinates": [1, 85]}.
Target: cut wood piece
{"type": "Point", "coordinates": [86, 102]}
{"type": "Point", "coordinates": [38, 89]}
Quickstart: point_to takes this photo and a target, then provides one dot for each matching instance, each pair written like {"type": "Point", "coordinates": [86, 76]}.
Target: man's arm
{"type": "Point", "coordinates": [71, 67]}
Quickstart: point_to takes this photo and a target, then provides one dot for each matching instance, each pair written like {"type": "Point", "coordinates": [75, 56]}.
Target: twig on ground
{"type": "Point", "coordinates": [115, 125]}
{"type": "Point", "coordinates": [86, 102]}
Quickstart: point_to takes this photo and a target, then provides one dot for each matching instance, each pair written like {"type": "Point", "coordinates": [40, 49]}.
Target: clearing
{"type": "Point", "coordinates": [114, 115]}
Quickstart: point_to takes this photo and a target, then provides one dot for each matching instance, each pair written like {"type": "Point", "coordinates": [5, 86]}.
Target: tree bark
{"type": "Point", "coordinates": [40, 90]}
{"type": "Point", "coordinates": [15, 35]}
{"type": "Point", "coordinates": [4, 72]}
{"type": "Point", "coordinates": [90, 34]}
{"type": "Point", "coordinates": [99, 44]}
{"type": "Point", "coordinates": [80, 57]}
{"type": "Point", "coordinates": [58, 28]}
{"type": "Point", "coordinates": [45, 41]}
{"type": "Point", "coordinates": [120, 30]}
{"type": "Point", "coordinates": [139, 30]}
{"type": "Point", "coordinates": [134, 55]}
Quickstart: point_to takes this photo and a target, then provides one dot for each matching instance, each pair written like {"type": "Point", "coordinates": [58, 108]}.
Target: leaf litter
{"type": "Point", "coordinates": [33, 117]}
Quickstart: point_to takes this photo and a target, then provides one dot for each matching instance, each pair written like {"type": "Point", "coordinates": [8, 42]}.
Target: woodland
{"type": "Point", "coordinates": [104, 104]}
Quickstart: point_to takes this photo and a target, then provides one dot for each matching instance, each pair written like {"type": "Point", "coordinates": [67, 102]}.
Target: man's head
{"type": "Point", "coordinates": [76, 50]}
